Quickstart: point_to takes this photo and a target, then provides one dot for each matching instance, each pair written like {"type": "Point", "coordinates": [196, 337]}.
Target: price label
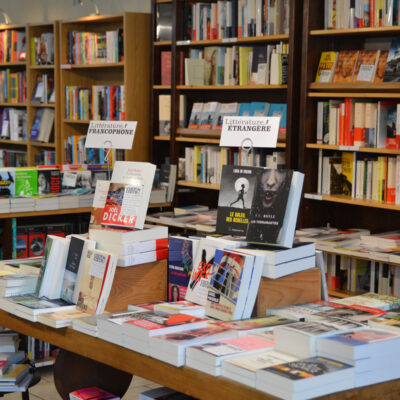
{"type": "Point", "coordinates": [182, 42]}
{"type": "Point", "coordinates": [110, 134]}
{"type": "Point", "coordinates": [229, 40]}
{"type": "Point", "coordinates": [312, 196]}
{"type": "Point", "coordinates": [66, 66]}
{"type": "Point", "coordinates": [252, 131]}
{"type": "Point", "coordinates": [349, 148]}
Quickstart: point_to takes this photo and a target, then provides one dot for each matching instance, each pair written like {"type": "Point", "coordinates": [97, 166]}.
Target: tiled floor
{"type": "Point", "coordinates": [45, 389]}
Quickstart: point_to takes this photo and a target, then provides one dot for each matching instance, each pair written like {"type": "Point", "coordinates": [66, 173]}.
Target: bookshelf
{"type": "Point", "coordinates": [13, 66]}
{"type": "Point", "coordinates": [34, 70]}
{"type": "Point", "coordinates": [338, 210]}
{"type": "Point", "coordinates": [131, 71]}
{"type": "Point", "coordinates": [173, 146]}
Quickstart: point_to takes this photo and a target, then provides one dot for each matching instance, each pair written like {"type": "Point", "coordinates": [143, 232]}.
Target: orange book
{"type": "Point", "coordinates": [366, 66]}
{"type": "Point", "coordinates": [381, 66]}
{"type": "Point", "coordinates": [346, 63]}
{"type": "Point", "coordinates": [348, 134]}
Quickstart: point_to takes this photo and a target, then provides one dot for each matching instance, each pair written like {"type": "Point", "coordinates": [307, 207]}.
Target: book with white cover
{"type": "Point", "coordinates": [243, 368]}
{"type": "Point", "coordinates": [372, 300]}
{"type": "Point", "coordinates": [123, 236]}
{"type": "Point", "coordinates": [300, 338]}
{"type": "Point", "coordinates": [61, 319]}
{"type": "Point", "coordinates": [139, 177]}
{"type": "Point", "coordinates": [86, 325]}
{"type": "Point", "coordinates": [133, 247]}
{"type": "Point", "coordinates": [179, 307]}
{"type": "Point", "coordinates": [203, 260]}
{"type": "Point", "coordinates": [212, 354]}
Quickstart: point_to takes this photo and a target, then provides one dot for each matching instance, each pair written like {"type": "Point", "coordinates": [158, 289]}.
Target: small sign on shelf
{"type": "Point", "coordinates": [313, 196]}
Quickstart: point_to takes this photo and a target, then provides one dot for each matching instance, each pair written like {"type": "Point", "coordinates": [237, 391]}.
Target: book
{"type": "Point", "coordinates": [163, 393]}
{"type": "Point", "coordinates": [92, 393]}
{"type": "Point", "coordinates": [142, 258]}
{"type": "Point", "coordinates": [225, 110]}
{"type": "Point", "coordinates": [61, 319]}
{"type": "Point", "coordinates": [345, 66]}
{"type": "Point", "coordinates": [366, 66]}
{"type": "Point", "coordinates": [164, 114]}
{"type": "Point", "coordinates": [128, 195]}
{"type": "Point", "coordinates": [229, 285]}
{"type": "Point", "coordinates": [326, 66]}
{"type": "Point", "coordinates": [381, 66]}
{"type": "Point", "coordinates": [46, 125]}
{"type": "Point", "coordinates": [194, 71]}
{"type": "Point", "coordinates": [195, 115]}
{"type": "Point", "coordinates": [7, 182]}
{"type": "Point", "coordinates": [99, 201]}
{"type": "Point", "coordinates": [49, 181]}
{"type": "Point", "coordinates": [372, 300]}
{"type": "Point", "coordinates": [391, 71]}
{"type": "Point", "coordinates": [26, 182]}
{"type": "Point", "coordinates": [208, 115]}
{"type": "Point", "coordinates": [97, 278]}
{"type": "Point", "coordinates": [305, 378]}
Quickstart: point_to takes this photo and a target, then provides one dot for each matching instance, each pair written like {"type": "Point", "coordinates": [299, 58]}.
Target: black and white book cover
{"type": "Point", "coordinates": [235, 199]}
{"type": "Point", "coordinates": [269, 205]}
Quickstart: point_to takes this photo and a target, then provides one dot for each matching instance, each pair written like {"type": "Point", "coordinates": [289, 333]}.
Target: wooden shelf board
{"type": "Point", "coordinates": [96, 19]}
{"type": "Point", "coordinates": [46, 212]}
{"type": "Point", "coordinates": [163, 1]}
{"type": "Point", "coordinates": [157, 205]}
{"type": "Point", "coordinates": [83, 66]}
{"type": "Point", "coordinates": [162, 138]}
{"type": "Point", "coordinates": [18, 142]}
{"type": "Point", "coordinates": [198, 185]}
{"type": "Point", "coordinates": [161, 87]}
{"type": "Point", "coordinates": [357, 202]}
{"type": "Point", "coordinates": [357, 86]}
{"type": "Point", "coordinates": [361, 95]}
{"type": "Point", "coordinates": [13, 104]}
{"type": "Point", "coordinates": [163, 43]}
{"type": "Point", "coordinates": [13, 64]}
{"type": "Point", "coordinates": [48, 105]}
{"type": "Point", "coordinates": [361, 149]}
{"type": "Point", "coordinates": [44, 66]}
{"type": "Point", "coordinates": [342, 293]}
{"type": "Point", "coordinates": [77, 121]}
{"type": "Point", "coordinates": [227, 41]}
{"type": "Point", "coordinates": [197, 140]}
{"type": "Point", "coordinates": [42, 144]}
{"type": "Point", "coordinates": [385, 30]}
{"type": "Point", "coordinates": [237, 87]}
{"type": "Point", "coordinates": [204, 133]}
{"type": "Point", "coordinates": [5, 27]}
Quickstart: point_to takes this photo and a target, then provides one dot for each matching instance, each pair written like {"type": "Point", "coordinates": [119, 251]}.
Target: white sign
{"type": "Point", "coordinates": [110, 134]}
{"type": "Point", "coordinates": [250, 131]}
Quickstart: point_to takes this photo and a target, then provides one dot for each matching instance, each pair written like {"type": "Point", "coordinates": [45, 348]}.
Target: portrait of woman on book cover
{"type": "Point", "coordinates": [269, 205]}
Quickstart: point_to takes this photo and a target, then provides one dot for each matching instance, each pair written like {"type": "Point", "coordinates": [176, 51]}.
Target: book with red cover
{"type": "Point", "coordinates": [22, 242]}
{"type": "Point", "coordinates": [165, 68]}
{"type": "Point", "coordinates": [36, 241]}
{"type": "Point", "coordinates": [348, 122]}
{"type": "Point", "coordinates": [92, 393]}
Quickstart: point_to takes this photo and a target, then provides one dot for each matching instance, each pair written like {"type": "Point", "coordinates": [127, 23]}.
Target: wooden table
{"type": "Point", "coordinates": [184, 379]}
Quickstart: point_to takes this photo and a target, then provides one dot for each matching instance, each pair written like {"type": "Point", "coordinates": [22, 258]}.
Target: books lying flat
{"type": "Point", "coordinates": [134, 247]}
{"type": "Point", "coordinates": [86, 325]}
{"type": "Point", "coordinates": [180, 307]}
{"type": "Point", "coordinates": [372, 300]}
{"type": "Point", "coordinates": [14, 374]}
{"type": "Point", "coordinates": [388, 322]}
{"type": "Point", "coordinates": [123, 236]}
{"type": "Point", "coordinates": [92, 393]}
{"type": "Point", "coordinates": [306, 378]}
{"type": "Point", "coordinates": [61, 319]}
{"type": "Point", "coordinates": [243, 368]}
{"type": "Point", "coordinates": [212, 354]}
{"type": "Point", "coordinates": [142, 258]}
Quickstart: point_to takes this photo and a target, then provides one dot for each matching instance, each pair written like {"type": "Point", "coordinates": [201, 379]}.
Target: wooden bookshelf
{"type": "Point", "coordinates": [132, 72]}
{"type": "Point", "coordinates": [339, 211]}
{"type": "Point", "coordinates": [53, 73]}
{"type": "Point", "coordinates": [45, 212]}
{"type": "Point", "coordinates": [16, 142]}
{"type": "Point", "coordinates": [183, 137]}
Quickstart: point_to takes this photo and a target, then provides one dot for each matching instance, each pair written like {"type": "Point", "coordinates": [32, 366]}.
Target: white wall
{"type": "Point", "coordinates": [25, 11]}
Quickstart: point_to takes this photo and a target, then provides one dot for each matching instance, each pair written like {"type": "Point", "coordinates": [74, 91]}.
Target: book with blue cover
{"type": "Point", "coordinates": [279, 110]}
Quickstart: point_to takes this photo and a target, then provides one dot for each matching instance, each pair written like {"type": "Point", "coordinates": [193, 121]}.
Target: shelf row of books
{"type": "Point", "coordinates": [210, 115]}
{"type": "Point", "coordinates": [42, 49]}
{"type": "Point", "coordinates": [235, 19]}
{"type": "Point", "coordinates": [98, 102]}
{"type": "Point", "coordinates": [360, 176]}
{"type": "Point", "coordinates": [95, 48]}
{"type": "Point", "coordinates": [372, 66]}
{"type": "Point", "coordinates": [13, 158]}
{"type": "Point", "coordinates": [13, 124]}
{"type": "Point", "coordinates": [12, 86]}
{"type": "Point", "coordinates": [42, 127]}
{"type": "Point", "coordinates": [360, 14]}
{"type": "Point", "coordinates": [45, 157]}
{"type": "Point", "coordinates": [43, 91]}
{"type": "Point", "coordinates": [76, 153]}
{"type": "Point", "coordinates": [238, 65]}
{"type": "Point", "coordinates": [350, 122]}
{"type": "Point", "coordinates": [203, 163]}
{"type": "Point", "coordinates": [12, 46]}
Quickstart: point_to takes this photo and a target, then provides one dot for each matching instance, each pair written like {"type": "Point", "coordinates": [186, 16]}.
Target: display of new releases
{"type": "Point", "coordinates": [259, 203]}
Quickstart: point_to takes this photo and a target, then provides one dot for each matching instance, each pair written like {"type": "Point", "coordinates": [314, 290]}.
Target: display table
{"type": "Point", "coordinates": [184, 379]}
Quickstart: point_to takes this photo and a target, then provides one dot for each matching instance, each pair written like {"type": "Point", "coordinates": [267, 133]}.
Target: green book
{"type": "Point", "coordinates": [26, 182]}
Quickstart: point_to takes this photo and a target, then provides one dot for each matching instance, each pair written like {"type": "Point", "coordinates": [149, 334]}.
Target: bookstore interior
{"type": "Point", "coordinates": [203, 194]}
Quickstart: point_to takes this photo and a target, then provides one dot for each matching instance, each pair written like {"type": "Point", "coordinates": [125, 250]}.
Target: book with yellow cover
{"type": "Point", "coordinates": [326, 66]}
{"type": "Point", "coordinates": [345, 66]}
{"type": "Point", "coordinates": [348, 170]}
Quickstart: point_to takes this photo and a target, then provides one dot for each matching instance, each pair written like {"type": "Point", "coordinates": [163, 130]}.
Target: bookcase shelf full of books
{"type": "Point", "coordinates": [211, 59]}
{"type": "Point", "coordinates": [348, 150]}
{"type": "Point", "coordinates": [104, 63]}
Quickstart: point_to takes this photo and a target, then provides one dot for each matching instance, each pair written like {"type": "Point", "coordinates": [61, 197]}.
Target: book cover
{"type": "Point", "coordinates": [99, 201]}
{"type": "Point", "coordinates": [229, 285]}
{"type": "Point", "coordinates": [279, 110]}
{"type": "Point", "coordinates": [235, 199]}
{"type": "Point", "coordinates": [346, 63]}
{"type": "Point", "coordinates": [210, 65]}
{"type": "Point", "coordinates": [225, 110]}
{"type": "Point", "coordinates": [36, 124]}
{"type": "Point", "coordinates": [195, 115]}
{"type": "Point", "coordinates": [49, 181]}
{"type": "Point", "coordinates": [166, 68]}
{"type": "Point", "coordinates": [208, 115]}
{"type": "Point", "coordinates": [7, 181]}
{"type": "Point", "coordinates": [92, 393]}
{"type": "Point", "coordinates": [326, 66]}
{"type": "Point", "coordinates": [392, 70]}
{"type": "Point", "coordinates": [366, 66]}
{"type": "Point", "coordinates": [26, 182]}
{"type": "Point", "coordinates": [362, 337]}
{"type": "Point", "coordinates": [164, 114]}
{"type": "Point", "coordinates": [381, 66]}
